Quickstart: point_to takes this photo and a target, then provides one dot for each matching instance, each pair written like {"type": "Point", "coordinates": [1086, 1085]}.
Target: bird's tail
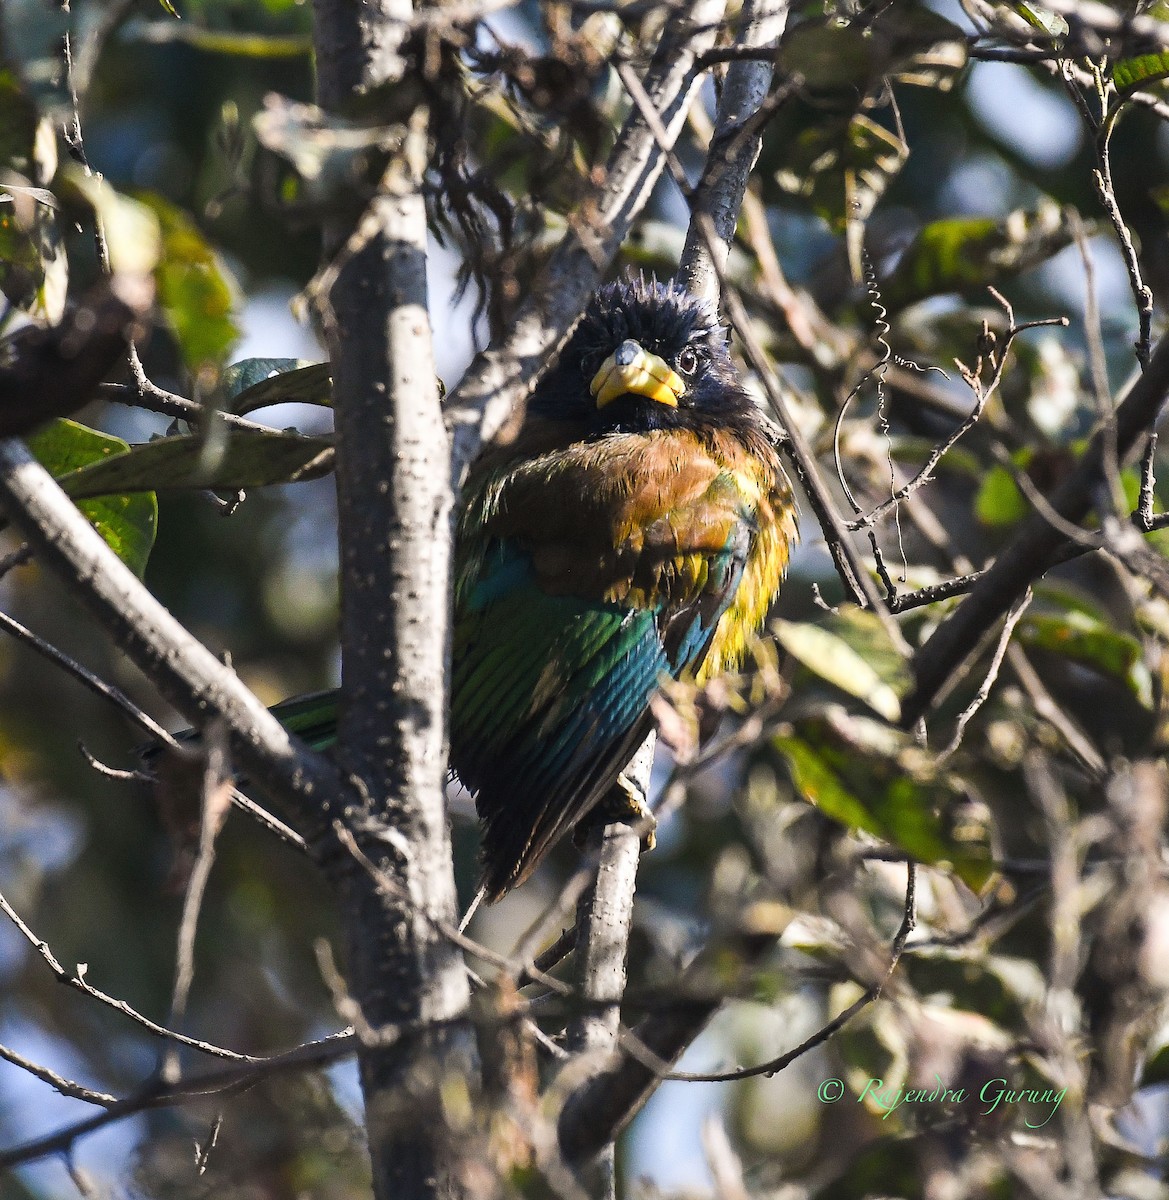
{"type": "Point", "coordinates": [312, 717]}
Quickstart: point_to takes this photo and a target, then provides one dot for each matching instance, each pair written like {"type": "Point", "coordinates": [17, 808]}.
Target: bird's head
{"type": "Point", "coordinates": [646, 355]}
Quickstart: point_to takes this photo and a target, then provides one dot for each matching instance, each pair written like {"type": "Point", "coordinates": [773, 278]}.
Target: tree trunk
{"type": "Point", "coordinates": [395, 880]}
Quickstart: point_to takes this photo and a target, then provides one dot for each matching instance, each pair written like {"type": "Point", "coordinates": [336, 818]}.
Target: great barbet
{"type": "Point", "coordinates": [636, 527]}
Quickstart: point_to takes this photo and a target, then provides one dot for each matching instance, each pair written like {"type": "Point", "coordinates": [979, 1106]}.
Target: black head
{"type": "Point", "coordinates": [665, 321]}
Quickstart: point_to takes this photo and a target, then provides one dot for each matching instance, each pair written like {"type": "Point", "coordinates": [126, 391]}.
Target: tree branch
{"type": "Point", "coordinates": [1038, 544]}
{"type": "Point", "coordinates": [730, 159]}
{"type": "Point", "coordinates": [304, 784]}
{"type": "Point", "coordinates": [395, 507]}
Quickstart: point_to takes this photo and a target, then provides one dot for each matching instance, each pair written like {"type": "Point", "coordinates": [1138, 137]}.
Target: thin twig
{"type": "Point", "coordinates": [152, 398]}
{"type": "Point", "coordinates": [67, 1087]}
{"type": "Point", "coordinates": [79, 983]}
{"type": "Point", "coordinates": [1102, 177]}
{"type": "Point", "coordinates": [1046, 707]}
{"type": "Point", "coordinates": [1036, 545]}
{"type": "Point", "coordinates": [992, 674]}
{"type": "Point", "coordinates": [216, 793]}
{"type": "Point", "coordinates": [870, 994]}
{"type": "Point", "coordinates": [144, 722]}
{"type": "Point", "coordinates": [155, 1093]}
{"type": "Point", "coordinates": [991, 354]}
{"type": "Point", "coordinates": [88, 679]}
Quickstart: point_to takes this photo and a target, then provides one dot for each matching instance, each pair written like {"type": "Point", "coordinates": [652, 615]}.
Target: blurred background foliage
{"type": "Point", "coordinates": [1040, 956]}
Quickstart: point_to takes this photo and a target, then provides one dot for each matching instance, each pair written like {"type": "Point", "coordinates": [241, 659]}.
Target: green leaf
{"type": "Point", "coordinates": [1144, 69]}
{"type": "Point", "coordinates": [873, 778]}
{"type": "Point", "coordinates": [128, 523]}
{"type": "Point", "coordinates": [1087, 638]}
{"type": "Point", "coordinates": [999, 501]}
{"type": "Point", "coordinates": [963, 254]}
{"type": "Point", "coordinates": [1043, 19]}
{"type": "Point", "coordinates": [195, 289]}
{"type": "Point", "coordinates": [246, 458]}
{"type": "Point", "coordinates": [256, 383]}
{"type": "Point", "coordinates": [848, 657]}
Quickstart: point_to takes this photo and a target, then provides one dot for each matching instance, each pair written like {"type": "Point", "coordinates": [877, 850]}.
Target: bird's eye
{"type": "Point", "coordinates": [688, 361]}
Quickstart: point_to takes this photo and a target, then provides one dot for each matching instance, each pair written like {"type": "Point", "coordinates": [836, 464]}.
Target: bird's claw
{"type": "Point", "coordinates": [625, 804]}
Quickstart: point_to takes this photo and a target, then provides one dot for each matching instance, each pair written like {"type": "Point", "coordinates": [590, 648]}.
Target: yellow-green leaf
{"type": "Point", "coordinates": [1141, 70]}
{"type": "Point", "coordinates": [873, 778]}
{"type": "Point", "coordinates": [127, 522]}
{"type": "Point", "coordinates": [195, 288]}
{"type": "Point", "coordinates": [833, 659]}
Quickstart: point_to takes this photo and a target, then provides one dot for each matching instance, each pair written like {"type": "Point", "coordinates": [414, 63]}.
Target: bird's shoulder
{"type": "Point", "coordinates": [642, 520]}
{"type": "Point", "coordinates": [551, 483]}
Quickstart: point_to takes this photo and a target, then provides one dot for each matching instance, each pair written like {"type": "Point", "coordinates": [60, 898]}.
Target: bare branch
{"type": "Point", "coordinates": [1037, 545]}
{"type": "Point", "coordinates": [75, 1091]}
{"type": "Point", "coordinates": [81, 984]}
{"type": "Point", "coordinates": [216, 797]}
{"type": "Point", "coordinates": [158, 1094]}
{"type": "Point", "coordinates": [1077, 740]}
{"type": "Point", "coordinates": [730, 158]}
{"type": "Point", "coordinates": [95, 683]}
{"type": "Point", "coordinates": [992, 674]}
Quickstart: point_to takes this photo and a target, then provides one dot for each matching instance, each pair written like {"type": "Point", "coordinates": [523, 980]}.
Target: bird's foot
{"type": "Point", "coordinates": [625, 804]}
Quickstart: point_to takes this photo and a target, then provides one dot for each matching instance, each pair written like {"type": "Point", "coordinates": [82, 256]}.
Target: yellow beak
{"type": "Point", "coordinates": [630, 369]}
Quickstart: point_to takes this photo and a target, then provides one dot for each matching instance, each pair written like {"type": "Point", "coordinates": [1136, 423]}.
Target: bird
{"type": "Point", "coordinates": [636, 527]}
